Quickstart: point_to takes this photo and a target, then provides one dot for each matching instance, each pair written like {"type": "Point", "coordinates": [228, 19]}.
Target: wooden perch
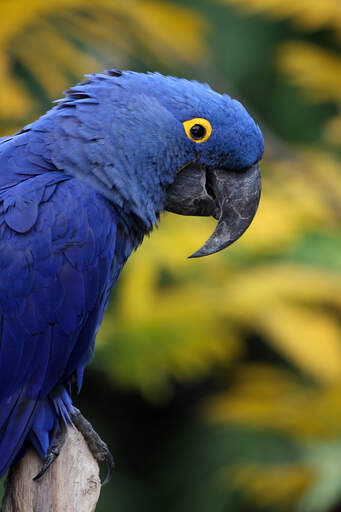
{"type": "Point", "coordinates": [71, 484]}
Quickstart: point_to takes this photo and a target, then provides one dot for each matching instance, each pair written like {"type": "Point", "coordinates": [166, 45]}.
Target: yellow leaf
{"type": "Point", "coordinates": [309, 338]}
{"type": "Point", "coordinates": [309, 15]}
{"type": "Point", "coordinates": [278, 486]}
{"type": "Point", "coordinates": [270, 397]}
{"type": "Point", "coordinates": [313, 68]}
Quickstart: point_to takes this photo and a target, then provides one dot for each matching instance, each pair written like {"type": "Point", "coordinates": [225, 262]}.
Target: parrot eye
{"type": "Point", "coordinates": [198, 129]}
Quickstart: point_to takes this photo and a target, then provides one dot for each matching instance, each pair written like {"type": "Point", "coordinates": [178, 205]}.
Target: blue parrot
{"type": "Point", "coordinates": [79, 189]}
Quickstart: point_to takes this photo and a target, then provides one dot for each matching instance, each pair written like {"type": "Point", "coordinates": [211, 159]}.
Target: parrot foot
{"type": "Point", "coordinates": [98, 448]}
{"type": "Point", "coordinates": [57, 441]}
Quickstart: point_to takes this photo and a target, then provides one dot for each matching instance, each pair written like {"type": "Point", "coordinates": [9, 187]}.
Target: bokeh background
{"type": "Point", "coordinates": [216, 382]}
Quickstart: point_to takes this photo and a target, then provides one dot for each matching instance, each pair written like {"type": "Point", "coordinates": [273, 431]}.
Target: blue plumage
{"type": "Point", "coordinates": [79, 188]}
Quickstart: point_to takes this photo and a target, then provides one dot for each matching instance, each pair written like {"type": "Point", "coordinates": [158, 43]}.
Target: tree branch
{"type": "Point", "coordinates": [71, 484]}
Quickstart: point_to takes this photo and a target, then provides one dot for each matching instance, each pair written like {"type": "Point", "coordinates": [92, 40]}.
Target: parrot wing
{"type": "Point", "coordinates": [58, 262]}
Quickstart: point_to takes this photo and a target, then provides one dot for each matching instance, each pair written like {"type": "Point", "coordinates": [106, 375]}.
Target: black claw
{"type": "Point", "coordinates": [57, 441]}
{"type": "Point", "coordinates": [98, 448]}
{"type": "Point", "coordinates": [49, 459]}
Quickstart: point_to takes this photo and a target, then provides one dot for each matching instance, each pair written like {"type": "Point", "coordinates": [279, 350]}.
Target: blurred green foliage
{"type": "Point", "coordinates": [217, 383]}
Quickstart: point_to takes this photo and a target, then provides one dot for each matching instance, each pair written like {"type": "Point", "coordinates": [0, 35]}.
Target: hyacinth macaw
{"type": "Point", "coordinates": [79, 189]}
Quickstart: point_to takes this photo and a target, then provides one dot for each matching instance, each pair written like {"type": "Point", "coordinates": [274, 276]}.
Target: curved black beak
{"type": "Point", "coordinates": [232, 197]}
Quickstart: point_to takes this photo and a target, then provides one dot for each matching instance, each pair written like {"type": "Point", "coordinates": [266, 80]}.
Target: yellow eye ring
{"type": "Point", "coordinates": [198, 129]}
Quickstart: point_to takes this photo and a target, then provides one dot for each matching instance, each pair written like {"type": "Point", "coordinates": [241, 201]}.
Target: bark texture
{"type": "Point", "coordinates": [71, 484]}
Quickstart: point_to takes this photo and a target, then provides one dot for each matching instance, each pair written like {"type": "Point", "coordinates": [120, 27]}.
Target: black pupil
{"type": "Point", "coordinates": [198, 131]}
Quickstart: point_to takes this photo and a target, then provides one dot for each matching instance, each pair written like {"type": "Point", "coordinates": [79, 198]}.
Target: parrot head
{"type": "Point", "coordinates": [156, 143]}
